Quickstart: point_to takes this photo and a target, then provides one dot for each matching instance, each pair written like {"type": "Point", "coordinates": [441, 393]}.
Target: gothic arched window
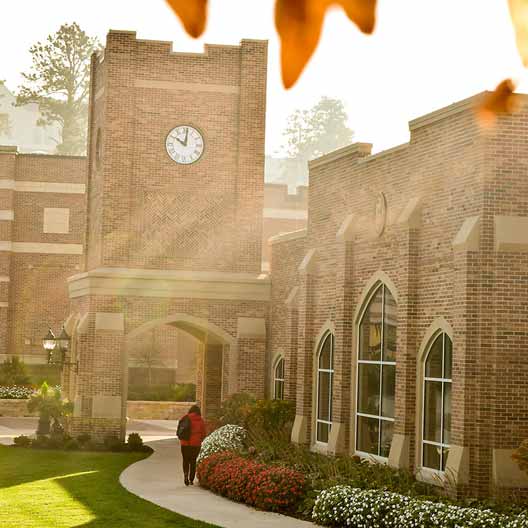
{"type": "Point", "coordinates": [325, 380]}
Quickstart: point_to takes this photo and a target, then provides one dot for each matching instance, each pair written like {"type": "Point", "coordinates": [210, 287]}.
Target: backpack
{"type": "Point", "coordinates": [184, 428]}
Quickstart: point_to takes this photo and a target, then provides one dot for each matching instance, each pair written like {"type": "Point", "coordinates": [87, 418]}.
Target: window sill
{"type": "Point", "coordinates": [373, 459]}
{"type": "Point", "coordinates": [434, 477]}
{"type": "Point", "coordinates": [319, 447]}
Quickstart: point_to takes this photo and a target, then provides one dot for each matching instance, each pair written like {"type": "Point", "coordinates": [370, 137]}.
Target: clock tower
{"type": "Point", "coordinates": [175, 197]}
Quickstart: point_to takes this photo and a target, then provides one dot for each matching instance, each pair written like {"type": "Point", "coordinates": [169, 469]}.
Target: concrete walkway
{"type": "Point", "coordinates": [159, 479]}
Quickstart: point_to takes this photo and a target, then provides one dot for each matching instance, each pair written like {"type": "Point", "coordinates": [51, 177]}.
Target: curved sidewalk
{"type": "Point", "coordinates": [159, 479]}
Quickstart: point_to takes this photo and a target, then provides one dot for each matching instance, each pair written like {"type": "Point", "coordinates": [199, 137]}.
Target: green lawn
{"type": "Point", "coordinates": [55, 489]}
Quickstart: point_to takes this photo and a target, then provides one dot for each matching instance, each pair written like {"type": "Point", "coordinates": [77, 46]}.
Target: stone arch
{"type": "Point", "coordinates": [217, 351]}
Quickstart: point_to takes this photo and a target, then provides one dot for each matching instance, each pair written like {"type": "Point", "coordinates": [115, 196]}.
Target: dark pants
{"type": "Point", "coordinates": [189, 454]}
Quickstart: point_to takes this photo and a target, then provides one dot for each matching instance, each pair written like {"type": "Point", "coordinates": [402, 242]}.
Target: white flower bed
{"type": "Point", "coordinates": [226, 438]}
{"type": "Point", "coordinates": [357, 508]}
{"type": "Point", "coordinates": [15, 393]}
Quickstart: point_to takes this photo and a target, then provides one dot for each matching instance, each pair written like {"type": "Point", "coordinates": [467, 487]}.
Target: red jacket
{"type": "Point", "coordinates": [197, 430]}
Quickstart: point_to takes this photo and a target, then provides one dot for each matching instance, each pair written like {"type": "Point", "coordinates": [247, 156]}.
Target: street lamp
{"type": "Point", "coordinates": [57, 348]}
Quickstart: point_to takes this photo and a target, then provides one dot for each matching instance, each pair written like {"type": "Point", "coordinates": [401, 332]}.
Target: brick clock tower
{"type": "Point", "coordinates": [174, 204]}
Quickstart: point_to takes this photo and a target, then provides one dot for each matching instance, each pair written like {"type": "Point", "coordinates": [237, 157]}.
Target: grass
{"type": "Point", "coordinates": [57, 489]}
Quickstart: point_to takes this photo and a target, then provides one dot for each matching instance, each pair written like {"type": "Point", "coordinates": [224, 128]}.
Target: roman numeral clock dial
{"type": "Point", "coordinates": [185, 144]}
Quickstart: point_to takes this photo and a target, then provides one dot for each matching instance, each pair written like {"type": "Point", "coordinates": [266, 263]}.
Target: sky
{"type": "Point", "coordinates": [423, 55]}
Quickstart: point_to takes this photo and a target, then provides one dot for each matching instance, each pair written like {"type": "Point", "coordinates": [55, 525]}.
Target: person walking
{"type": "Point", "coordinates": [191, 432]}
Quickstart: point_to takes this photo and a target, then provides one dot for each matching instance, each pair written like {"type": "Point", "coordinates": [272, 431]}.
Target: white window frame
{"type": "Point", "coordinates": [442, 445]}
{"type": "Point", "coordinates": [381, 362]}
{"type": "Point", "coordinates": [322, 341]}
{"type": "Point", "coordinates": [276, 379]}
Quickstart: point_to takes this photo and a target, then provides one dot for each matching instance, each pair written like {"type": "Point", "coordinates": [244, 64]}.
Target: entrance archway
{"type": "Point", "coordinates": [215, 347]}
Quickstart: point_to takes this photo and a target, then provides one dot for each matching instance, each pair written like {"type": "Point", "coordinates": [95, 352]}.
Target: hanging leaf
{"type": "Point", "coordinates": [299, 24]}
{"type": "Point", "coordinates": [519, 15]}
{"type": "Point", "coordinates": [192, 13]}
{"type": "Point", "coordinates": [500, 101]}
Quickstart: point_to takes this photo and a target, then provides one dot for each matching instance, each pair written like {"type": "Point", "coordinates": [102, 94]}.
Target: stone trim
{"type": "Point", "coordinates": [506, 472]}
{"type": "Point", "coordinates": [299, 434]}
{"type": "Point", "coordinates": [307, 265]}
{"type": "Point", "coordinates": [41, 247]}
{"type": "Point", "coordinates": [468, 237]}
{"type": "Point", "coordinates": [169, 284]}
{"type": "Point", "coordinates": [7, 214]}
{"type": "Point", "coordinates": [411, 216]}
{"type": "Point", "coordinates": [511, 233]}
{"type": "Point", "coordinates": [251, 327]}
{"type": "Point", "coordinates": [5, 278]}
{"type": "Point", "coordinates": [292, 296]}
{"type": "Point", "coordinates": [356, 148]}
{"type": "Point", "coordinates": [185, 86]}
{"type": "Point", "coordinates": [399, 451]}
{"type": "Point", "coordinates": [287, 214]}
{"type": "Point", "coordinates": [46, 187]}
{"type": "Point", "coordinates": [110, 321]}
{"type": "Point", "coordinates": [286, 237]}
{"type": "Point", "coordinates": [347, 230]}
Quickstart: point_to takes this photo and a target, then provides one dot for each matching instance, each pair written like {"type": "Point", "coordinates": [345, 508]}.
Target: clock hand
{"type": "Point", "coordinates": [186, 137]}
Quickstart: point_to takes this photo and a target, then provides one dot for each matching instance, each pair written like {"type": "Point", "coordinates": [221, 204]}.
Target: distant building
{"type": "Point", "coordinates": [21, 123]}
{"type": "Point", "coordinates": [289, 171]}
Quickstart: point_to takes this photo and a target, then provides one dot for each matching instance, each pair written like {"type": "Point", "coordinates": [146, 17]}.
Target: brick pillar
{"type": "Point", "coordinates": [8, 159]}
{"type": "Point", "coordinates": [290, 352]}
{"type": "Point", "coordinates": [252, 355]}
{"type": "Point", "coordinates": [100, 408]}
{"type": "Point", "coordinates": [212, 380]}
{"type": "Point", "coordinates": [344, 324]}
{"type": "Point", "coordinates": [404, 436]}
{"type": "Point", "coordinates": [302, 427]}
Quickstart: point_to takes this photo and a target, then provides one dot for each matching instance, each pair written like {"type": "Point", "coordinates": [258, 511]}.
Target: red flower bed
{"type": "Point", "coordinates": [266, 487]}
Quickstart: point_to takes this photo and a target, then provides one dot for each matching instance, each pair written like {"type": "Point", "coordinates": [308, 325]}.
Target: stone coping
{"type": "Point", "coordinates": [163, 283]}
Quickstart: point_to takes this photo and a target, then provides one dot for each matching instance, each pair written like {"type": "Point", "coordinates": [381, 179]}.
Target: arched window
{"type": "Point", "coordinates": [325, 375]}
{"type": "Point", "coordinates": [278, 379]}
{"type": "Point", "coordinates": [376, 374]}
{"type": "Point", "coordinates": [437, 403]}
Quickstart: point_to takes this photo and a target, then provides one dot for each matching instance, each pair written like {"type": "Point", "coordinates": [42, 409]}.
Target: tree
{"type": "Point", "coordinates": [149, 357]}
{"type": "Point", "coordinates": [317, 131]}
{"type": "Point", "coordinates": [13, 372]}
{"type": "Point", "coordinates": [59, 83]}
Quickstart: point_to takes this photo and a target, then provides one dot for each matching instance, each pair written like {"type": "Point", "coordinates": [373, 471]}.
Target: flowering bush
{"type": "Point", "coordinates": [15, 393]}
{"type": "Point", "coordinates": [227, 438]}
{"type": "Point", "coordinates": [347, 506]}
{"type": "Point", "coordinates": [270, 488]}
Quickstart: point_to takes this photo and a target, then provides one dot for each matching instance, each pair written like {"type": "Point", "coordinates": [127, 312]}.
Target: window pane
{"type": "Point", "coordinates": [432, 410]}
{"type": "Point", "coordinates": [448, 358]}
{"type": "Point", "coordinates": [369, 388]}
{"type": "Point", "coordinates": [279, 370]}
{"type": "Point", "coordinates": [388, 391]}
{"type": "Point", "coordinates": [368, 435]}
{"type": "Point", "coordinates": [325, 355]}
{"type": "Point", "coordinates": [431, 456]}
{"type": "Point", "coordinates": [279, 390]}
{"type": "Point", "coordinates": [323, 430]}
{"type": "Point", "coordinates": [370, 329]}
{"type": "Point", "coordinates": [447, 413]}
{"type": "Point", "coordinates": [323, 409]}
{"type": "Point", "coordinates": [389, 327]}
{"type": "Point", "coordinates": [386, 437]}
{"type": "Point", "coordinates": [433, 364]}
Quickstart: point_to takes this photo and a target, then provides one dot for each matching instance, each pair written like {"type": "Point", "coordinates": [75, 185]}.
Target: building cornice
{"type": "Point", "coordinates": [170, 284]}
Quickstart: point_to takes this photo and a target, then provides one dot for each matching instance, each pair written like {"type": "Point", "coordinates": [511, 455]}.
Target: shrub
{"type": "Point", "coordinates": [269, 488]}
{"type": "Point", "coordinates": [236, 409]}
{"type": "Point", "coordinates": [135, 442]}
{"type": "Point", "coordinates": [15, 392]}
{"type": "Point", "coordinates": [22, 441]}
{"type": "Point", "coordinates": [71, 444]}
{"type": "Point", "coordinates": [113, 443]}
{"type": "Point", "coordinates": [271, 415]}
{"type": "Point", "coordinates": [83, 439]}
{"type": "Point", "coordinates": [348, 506]}
{"type": "Point", "coordinates": [227, 438]}
{"type": "Point", "coordinates": [13, 372]}
{"type": "Point", "coordinates": [180, 392]}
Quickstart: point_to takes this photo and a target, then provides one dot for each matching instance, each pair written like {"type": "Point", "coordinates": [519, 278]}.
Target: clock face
{"type": "Point", "coordinates": [184, 144]}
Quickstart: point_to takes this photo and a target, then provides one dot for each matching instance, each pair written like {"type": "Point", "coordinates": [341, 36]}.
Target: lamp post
{"type": "Point", "coordinates": [57, 348]}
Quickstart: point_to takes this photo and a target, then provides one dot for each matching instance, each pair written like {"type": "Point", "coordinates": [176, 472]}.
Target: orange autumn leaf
{"type": "Point", "coordinates": [299, 24]}
{"type": "Point", "coordinates": [500, 101]}
{"type": "Point", "coordinates": [519, 15]}
{"type": "Point", "coordinates": [192, 13]}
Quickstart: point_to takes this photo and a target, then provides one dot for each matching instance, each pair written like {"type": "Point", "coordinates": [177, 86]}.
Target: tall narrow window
{"type": "Point", "coordinates": [437, 403]}
{"type": "Point", "coordinates": [325, 375]}
{"type": "Point", "coordinates": [376, 374]}
{"type": "Point", "coordinates": [278, 379]}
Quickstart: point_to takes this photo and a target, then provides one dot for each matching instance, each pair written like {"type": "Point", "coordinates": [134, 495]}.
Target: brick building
{"type": "Point", "coordinates": [396, 321]}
